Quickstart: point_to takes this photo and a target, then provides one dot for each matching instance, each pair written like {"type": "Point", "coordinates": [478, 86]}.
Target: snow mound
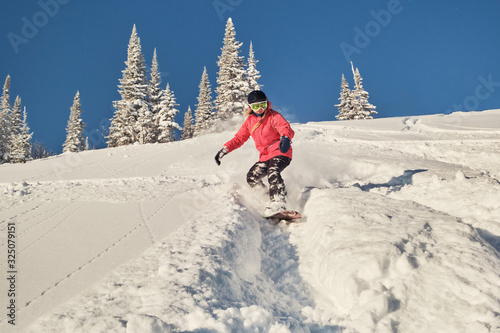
{"type": "Point", "coordinates": [384, 265]}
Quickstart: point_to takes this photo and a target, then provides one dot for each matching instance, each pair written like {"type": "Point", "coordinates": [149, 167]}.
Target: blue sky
{"type": "Point", "coordinates": [415, 57]}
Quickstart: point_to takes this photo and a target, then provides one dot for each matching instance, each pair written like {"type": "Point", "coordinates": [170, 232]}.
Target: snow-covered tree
{"type": "Point", "coordinates": [5, 100]}
{"type": "Point", "coordinates": [133, 90]}
{"type": "Point", "coordinates": [204, 108]}
{"type": "Point", "coordinates": [362, 108]}
{"type": "Point", "coordinates": [345, 106]}
{"type": "Point", "coordinates": [232, 84]}
{"type": "Point", "coordinates": [15, 118]}
{"type": "Point", "coordinates": [145, 128]}
{"type": "Point", "coordinates": [253, 75]}
{"type": "Point", "coordinates": [188, 131]}
{"type": "Point", "coordinates": [155, 93]}
{"type": "Point", "coordinates": [354, 103]}
{"type": "Point", "coordinates": [165, 118]}
{"type": "Point", "coordinates": [75, 140]}
{"type": "Point", "coordinates": [5, 127]}
{"type": "Point", "coordinates": [20, 147]}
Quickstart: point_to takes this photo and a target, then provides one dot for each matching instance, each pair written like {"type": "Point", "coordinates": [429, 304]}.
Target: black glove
{"type": "Point", "coordinates": [284, 144]}
{"type": "Point", "coordinates": [220, 155]}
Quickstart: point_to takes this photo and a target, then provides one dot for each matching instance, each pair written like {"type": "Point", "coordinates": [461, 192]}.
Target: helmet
{"type": "Point", "coordinates": [256, 96]}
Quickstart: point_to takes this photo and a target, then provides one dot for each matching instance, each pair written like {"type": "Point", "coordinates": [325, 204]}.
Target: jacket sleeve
{"type": "Point", "coordinates": [239, 138]}
{"type": "Point", "coordinates": [282, 126]}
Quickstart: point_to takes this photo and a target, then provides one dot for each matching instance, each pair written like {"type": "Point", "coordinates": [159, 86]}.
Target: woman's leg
{"type": "Point", "coordinates": [277, 189]}
{"type": "Point", "coordinates": [256, 173]}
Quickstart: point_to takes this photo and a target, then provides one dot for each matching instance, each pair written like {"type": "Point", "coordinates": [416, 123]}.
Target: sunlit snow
{"type": "Point", "coordinates": [401, 233]}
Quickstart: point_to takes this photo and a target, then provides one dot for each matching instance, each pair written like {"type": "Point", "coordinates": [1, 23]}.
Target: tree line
{"type": "Point", "coordinates": [15, 136]}
{"type": "Point", "coordinates": [354, 103]}
{"type": "Point", "coordinates": [145, 112]}
{"type": "Point", "coordinates": [16, 144]}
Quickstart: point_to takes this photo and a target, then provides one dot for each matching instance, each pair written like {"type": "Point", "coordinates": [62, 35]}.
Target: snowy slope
{"type": "Point", "coordinates": [401, 234]}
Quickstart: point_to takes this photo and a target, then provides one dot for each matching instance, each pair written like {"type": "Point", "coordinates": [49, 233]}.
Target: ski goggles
{"type": "Point", "coordinates": [259, 105]}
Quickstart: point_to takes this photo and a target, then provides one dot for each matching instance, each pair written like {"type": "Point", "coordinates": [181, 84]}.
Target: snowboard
{"type": "Point", "coordinates": [287, 215]}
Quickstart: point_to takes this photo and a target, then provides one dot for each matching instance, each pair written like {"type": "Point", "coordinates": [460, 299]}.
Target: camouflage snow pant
{"type": "Point", "coordinates": [272, 169]}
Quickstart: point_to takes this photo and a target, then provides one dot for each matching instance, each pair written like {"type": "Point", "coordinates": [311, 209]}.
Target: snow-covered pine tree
{"type": "Point", "coordinates": [165, 118]}
{"type": "Point", "coordinates": [346, 104]}
{"type": "Point", "coordinates": [75, 140]}
{"type": "Point", "coordinates": [5, 100]}
{"type": "Point", "coordinates": [188, 131]}
{"type": "Point", "coordinates": [253, 75]}
{"type": "Point", "coordinates": [145, 128]}
{"type": "Point", "coordinates": [133, 90]}
{"type": "Point", "coordinates": [21, 141]}
{"type": "Point", "coordinates": [5, 127]}
{"type": "Point", "coordinates": [362, 108]}
{"type": "Point", "coordinates": [155, 93]}
{"type": "Point", "coordinates": [15, 118]}
{"type": "Point", "coordinates": [232, 84]}
{"type": "Point", "coordinates": [204, 109]}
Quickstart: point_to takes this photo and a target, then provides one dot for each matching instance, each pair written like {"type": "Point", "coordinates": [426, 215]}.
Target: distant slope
{"type": "Point", "coordinates": [401, 233]}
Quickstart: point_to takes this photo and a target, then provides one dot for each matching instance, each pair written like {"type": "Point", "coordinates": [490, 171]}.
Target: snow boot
{"type": "Point", "coordinates": [274, 207]}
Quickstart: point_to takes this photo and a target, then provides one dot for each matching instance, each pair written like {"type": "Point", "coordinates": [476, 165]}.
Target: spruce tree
{"type": "Point", "coordinates": [232, 85]}
{"type": "Point", "coordinates": [145, 129]}
{"type": "Point", "coordinates": [362, 108]}
{"type": "Point", "coordinates": [5, 127]}
{"type": "Point", "coordinates": [5, 100]}
{"type": "Point", "coordinates": [21, 139]}
{"type": "Point", "coordinates": [155, 93]}
{"type": "Point", "coordinates": [205, 107]}
{"type": "Point", "coordinates": [345, 106]}
{"type": "Point", "coordinates": [165, 118]}
{"type": "Point", "coordinates": [75, 140]}
{"type": "Point", "coordinates": [133, 90]}
{"type": "Point", "coordinates": [15, 118]}
{"type": "Point", "coordinates": [188, 131]}
{"type": "Point", "coordinates": [253, 75]}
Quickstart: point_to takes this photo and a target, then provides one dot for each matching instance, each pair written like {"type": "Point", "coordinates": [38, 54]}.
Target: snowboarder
{"type": "Point", "coordinates": [272, 135]}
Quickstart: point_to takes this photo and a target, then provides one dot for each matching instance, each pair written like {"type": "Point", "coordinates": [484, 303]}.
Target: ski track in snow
{"type": "Point", "coordinates": [400, 234]}
{"type": "Point", "coordinates": [238, 260]}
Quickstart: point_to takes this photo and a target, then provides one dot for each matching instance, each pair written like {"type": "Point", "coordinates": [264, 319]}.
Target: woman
{"type": "Point", "coordinates": [271, 134]}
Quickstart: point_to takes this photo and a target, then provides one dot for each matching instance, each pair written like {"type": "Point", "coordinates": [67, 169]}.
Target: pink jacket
{"type": "Point", "coordinates": [266, 136]}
